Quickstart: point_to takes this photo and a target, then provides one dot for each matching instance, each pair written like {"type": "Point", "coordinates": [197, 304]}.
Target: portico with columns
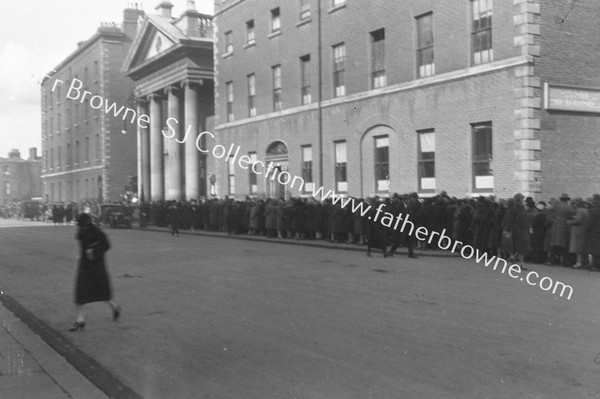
{"type": "Point", "coordinates": [171, 63]}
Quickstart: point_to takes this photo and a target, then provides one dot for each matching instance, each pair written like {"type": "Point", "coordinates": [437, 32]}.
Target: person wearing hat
{"type": "Point", "coordinates": [577, 225]}
{"type": "Point", "coordinates": [92, 284]}
{"type": "Point", "coordinates": [592, 233]}
{"type": "Point", "coordinates": [559, 239]}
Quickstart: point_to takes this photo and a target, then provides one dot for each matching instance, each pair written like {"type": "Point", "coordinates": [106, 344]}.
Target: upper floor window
{"type": "Point", "coordinates": [251, 95]}
{"type": "Point", "coordinates": [425, 64]}
{"type": "Point", "coordinates": [339, 69]}
{"type": "Point", "coordinates": [6, 170]}
{"type": "Point", "coordinates": [228, 42]}
{"type": "Point", "coordinates": [250, 39]}
{"type": "Point", "coordinates": [231, 175]}
{"type": "Point", "coordinates": [275, 20]}
{"type": "Point", "coordinates": [481, 35]}
{"type": "Point", "coordinates": [304, 9]}
{"type": "Point", "coordinates": [229, 90]}
{"type": "Point", "coordinates": [277, 88]}
{"type": "Point", "coordinates": [6, 188]}
{"type": "Point", "coordinates": [305, 76]}
{"type": "Point", "coordinates": [378, 78]}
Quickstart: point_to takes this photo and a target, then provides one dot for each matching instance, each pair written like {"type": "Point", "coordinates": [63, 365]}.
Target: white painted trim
{"type": "Point", "coordinates": [69, 172]}
{"type": "Point", "coordinates": [397, 88]}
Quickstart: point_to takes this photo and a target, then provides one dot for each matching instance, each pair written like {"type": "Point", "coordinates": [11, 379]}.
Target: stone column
{"type": "Point", "coordinates": [157, 177]}
{"type": "Point", "coordinates": [173, 177]}
{"type": "Point", "coordinates": [192, 179]}
{"type": "Point", "coordinates": [144, 172]}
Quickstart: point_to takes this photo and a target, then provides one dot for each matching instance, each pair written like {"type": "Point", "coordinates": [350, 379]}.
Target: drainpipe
{"type": "Point", "coordinates": [320, 85]}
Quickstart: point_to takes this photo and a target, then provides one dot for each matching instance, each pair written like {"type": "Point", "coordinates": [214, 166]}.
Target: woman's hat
{"type": "Point", "coordinates": [530, 202]}
{"type": "Point", "coordinates": [564, 197]}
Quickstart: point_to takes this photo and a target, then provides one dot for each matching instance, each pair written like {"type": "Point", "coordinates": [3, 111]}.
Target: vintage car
{"type": "Point", "coordinates": [32, 209]}
{"type": "Point", "coordinates": [116, 215]}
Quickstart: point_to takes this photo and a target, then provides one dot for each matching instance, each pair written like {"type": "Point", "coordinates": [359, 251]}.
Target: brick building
{"type": "Point", "coordinates": [171, 63]}
{"type": "Point", "coordinates": [89, 154]}
{"type": "Point", "coordinates": [20, 179]}
{"type": "Point", "coordinates": [466, 96]}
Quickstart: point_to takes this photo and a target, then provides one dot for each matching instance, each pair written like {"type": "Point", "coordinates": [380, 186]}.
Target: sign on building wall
{"type": "Point", "coordinates": [571, 98]}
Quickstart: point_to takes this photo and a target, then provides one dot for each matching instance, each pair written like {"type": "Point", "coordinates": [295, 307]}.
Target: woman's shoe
{"type": "Point", "coordinates": [116, 313]}
{"type": "Point", "coordinates": [78, 325]}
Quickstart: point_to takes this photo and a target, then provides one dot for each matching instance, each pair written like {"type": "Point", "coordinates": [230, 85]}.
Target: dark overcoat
{"type": "Point", "coordinates": [92, 284]}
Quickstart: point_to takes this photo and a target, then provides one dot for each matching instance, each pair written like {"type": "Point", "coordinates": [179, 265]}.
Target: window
{"type": "Point", "coordinates": [426, 159]}
{"type": "Point", "coordinates": [275, 20]}
{"type": "Point", "coordinates": [339, 61]}
{"type": "Point", "coordinates": [6, 188]}
{"type": "Point", "coordinates": [482, 156]}
{"type": "Point", "coordinates": [58, 122]}
{"type": "Point", "coordinates": [46, 159]}
{"type": "Point", "coordinates": [481, 36]}
{"type": "Point", "coordinates": [382, 163]}
{"type": "Point", "coordinates": [250, 32]}
{"type": "Point", "coordinates": [77, 152]}
{"type": "Point", "coordinates": [96, 71]}
{"type": "Point", "coordinates": [69, 117]}
{"type": "Point", "coordinates": [277, 88]}
{"type": "Point", "coordinates": [51, 126]}
{"type": "Point", "coordinates": [6, 170]}
{"type": "Point", "coordinates": [228, 42]}
{"type": "Point", "coordinates": [304, 9]}
{"type": "Point", "coordinates": [425, 65]}
{"type": "Point", "coordinates": [305, 83]}
{"type": "Point", "coordinates": [307, 167]}
{"type": "Point", "coordinates": [85, 76]}
{"type": "Point", "coordinates": [69, 155]}
{"type": "Point", "coordinates": [98, 146]}
{"type": "Point", "coordinates": [378, 78]}
{"type": "Point", "coordinates": [341, 182]}
{"type": "Point", "coordinates": [231, 174]}
{"type": "Point", "coordinates": [251, 95]}
{"type": "Point", "coordinates": [59, 157]}
{"type": "Point", "coordinates": [229, 89]}
{"type": "Point", "coordinates": [51, 158]}
{"type": "Point", "coordinates": [87, 149]}
{"type": "Point", "coordinates": [252, 175]}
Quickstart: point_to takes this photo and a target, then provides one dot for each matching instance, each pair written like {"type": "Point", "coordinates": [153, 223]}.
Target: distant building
{"type": "Point", "coordinates": [365, 97]}
{"type": "Point", "coordinates": [20, 179]}
{"type": "Point", "coordinates": [171, 62]}
{"type": "Point", "coordinates": [90, 154]}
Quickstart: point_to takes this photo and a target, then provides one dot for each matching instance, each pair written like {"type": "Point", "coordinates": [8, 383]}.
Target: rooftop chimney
{"type": "Point", "coordinates": [165, 8]}
{"type": "Point", "coordinates": [14, 154]}
{"type": "Point", "coordinates": [130, 19]}
{"type": "Point", "coordinates": [33, 154]}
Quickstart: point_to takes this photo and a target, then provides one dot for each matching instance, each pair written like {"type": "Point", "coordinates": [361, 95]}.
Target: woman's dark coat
{"type": "Point", "coordinates": [92, 284]}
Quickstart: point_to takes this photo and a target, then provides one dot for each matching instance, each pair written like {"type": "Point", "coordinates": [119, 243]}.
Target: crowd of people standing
{"type": "Point", "coordinates": [563, 231]}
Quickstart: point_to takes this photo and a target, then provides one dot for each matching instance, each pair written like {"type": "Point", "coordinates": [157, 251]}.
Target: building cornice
{"type": "Point", "coordinates": [393, 89]}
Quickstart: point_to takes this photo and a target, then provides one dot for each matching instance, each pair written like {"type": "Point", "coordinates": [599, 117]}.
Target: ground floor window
{"type": "Point", "coordinates": [483, 178]}
{"type": "Point", "coordinates": [426, 160]}
{"type": "Point", "coordinates": [382, 163]}
{"type": "Point", "coordinates": [341, 181]}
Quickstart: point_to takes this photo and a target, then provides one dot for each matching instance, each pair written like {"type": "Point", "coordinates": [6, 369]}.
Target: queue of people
{"type": "Point", "coordinates": [563, 231]}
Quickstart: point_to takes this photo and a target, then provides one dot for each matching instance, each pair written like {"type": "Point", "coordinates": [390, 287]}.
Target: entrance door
{"type": "Point", "coordinates": [278, 155]}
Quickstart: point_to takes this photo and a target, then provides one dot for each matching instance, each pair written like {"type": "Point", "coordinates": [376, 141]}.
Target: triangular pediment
{"type": "Point", "coordinates": [151, 41]}
{"type": "Point", "coordinates": [159, 43]}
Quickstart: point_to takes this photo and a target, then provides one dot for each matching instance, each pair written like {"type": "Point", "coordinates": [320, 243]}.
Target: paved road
{"type": "Point", "coordinates": [211, 317]}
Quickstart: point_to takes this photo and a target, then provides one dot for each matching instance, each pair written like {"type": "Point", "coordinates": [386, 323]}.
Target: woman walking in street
{"type": "Point", "coordinates": [92, 284]}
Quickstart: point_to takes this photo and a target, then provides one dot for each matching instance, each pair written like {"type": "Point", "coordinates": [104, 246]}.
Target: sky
{"type": "Point", "coordinates": [38, 35]}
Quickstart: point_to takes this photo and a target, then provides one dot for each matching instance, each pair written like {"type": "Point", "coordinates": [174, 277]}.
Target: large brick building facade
{"type": "Point", "coordinates": [89, 154]}
{"type": "Point", "coordinates": [369, 97]}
